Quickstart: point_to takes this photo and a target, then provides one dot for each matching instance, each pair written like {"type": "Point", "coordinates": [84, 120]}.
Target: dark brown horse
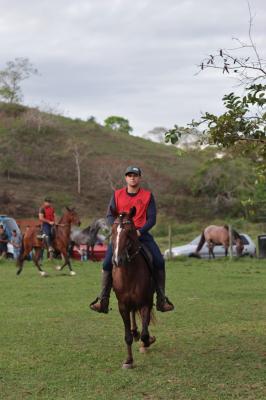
{"type": "Point", "coordinates": [219, 235]}
{"type": "Point", "coordinates": [132, 282]}
{"type": "Point", "coordinates": [32, 241]}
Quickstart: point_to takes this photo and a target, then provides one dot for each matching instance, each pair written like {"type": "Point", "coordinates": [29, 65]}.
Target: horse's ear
{"type": "Point", "coordinates": [67, 208]}
{"type": "Point", "coordinates": [132, 212]}
{"type": "Point", "coordinates": [113, 212]}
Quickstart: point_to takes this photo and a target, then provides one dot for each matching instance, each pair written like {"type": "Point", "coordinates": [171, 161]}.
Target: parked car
{"type": "Point", "coordinates": [190, 248]}
{"type": "Point", "coordinates": [9, 225]}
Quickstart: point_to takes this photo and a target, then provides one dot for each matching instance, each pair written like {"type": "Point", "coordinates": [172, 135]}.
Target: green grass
{"type": "Point", "coordinates": [213, 346]}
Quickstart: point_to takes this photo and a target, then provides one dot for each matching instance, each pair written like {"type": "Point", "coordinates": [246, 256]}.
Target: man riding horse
{"type": "Point", "coordinates": [122, 200]}
{"type": "Point", "coordinates": [47, 218]}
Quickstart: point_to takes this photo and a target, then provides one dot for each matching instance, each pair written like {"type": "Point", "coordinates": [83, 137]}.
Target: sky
{"type": "Point", "coordinates": [136, 59]}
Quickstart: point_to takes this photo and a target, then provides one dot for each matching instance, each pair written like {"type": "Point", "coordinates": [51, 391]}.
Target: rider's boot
{"type": "Point", "coordinates": [163, 303]}
{"type": "Point", "coordinates": [101, 303]}
{"type": "Point", "coordinates": [50, 248]}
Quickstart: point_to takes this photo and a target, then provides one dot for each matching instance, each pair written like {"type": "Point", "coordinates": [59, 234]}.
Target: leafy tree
{"type": "Point", "coordinates": [11, 77]}
{"type": "Point", "coordinates": [241, 128]}
{"type": "Point", "coordinates": [118, 124]}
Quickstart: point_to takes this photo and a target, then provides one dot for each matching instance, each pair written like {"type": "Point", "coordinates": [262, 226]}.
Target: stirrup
{"type": "Point", "coordinates": [160, 305]}
{"type": "Point", "coordinates": [41, 236]}
{"type": "Point", "coordinates": [102, 308]}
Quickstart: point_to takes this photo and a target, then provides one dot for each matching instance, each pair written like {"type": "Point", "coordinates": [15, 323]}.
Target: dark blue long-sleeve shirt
{"type": "Point", "coordinates": [150, 214]}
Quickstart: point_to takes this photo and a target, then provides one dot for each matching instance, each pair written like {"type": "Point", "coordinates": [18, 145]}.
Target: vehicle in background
{"type": "Point", "coordinates": [190, 249]}
{"type": "Point", "coordinates": [9, 225]}
{"type": "Point", "coordinates": [80, 252]}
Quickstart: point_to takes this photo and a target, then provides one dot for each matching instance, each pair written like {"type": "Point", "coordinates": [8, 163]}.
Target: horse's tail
{"type": "Point", "coordinates": [236, 235]}
{"type": "Point", "coordinates": [201, 242]}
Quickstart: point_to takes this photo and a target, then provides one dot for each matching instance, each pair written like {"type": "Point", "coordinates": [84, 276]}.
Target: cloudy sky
{"type": "Point", "coordinates": [135, 59]}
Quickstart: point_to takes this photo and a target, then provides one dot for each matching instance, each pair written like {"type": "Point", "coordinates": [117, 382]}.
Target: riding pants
{"type": "Point", "coordinates": [47, 230]}
{"type": "Point", "coordinates": [149, 242]}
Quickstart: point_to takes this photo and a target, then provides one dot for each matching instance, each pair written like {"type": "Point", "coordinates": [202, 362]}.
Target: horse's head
{"type": "Point", "coordinates": [239, 243]}
{"type": "Point", "coordinates": [124, 237]}
{"type": "Point", "coordinates": [71, 216]}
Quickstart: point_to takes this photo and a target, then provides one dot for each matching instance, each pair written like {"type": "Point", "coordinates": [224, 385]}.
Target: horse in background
{"type": "Point", "coordinates": [90, 236]}
{"type": "Point", "coordinates": [32, 240]}
{"type": "Point", "coordinates": [219, 235]}
{"type": "Point", "coordinates": [132, 282]}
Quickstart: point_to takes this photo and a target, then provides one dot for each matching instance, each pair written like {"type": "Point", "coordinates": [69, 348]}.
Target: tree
{"type": "Point", "coordinates": [11, 77]}
{"type": "Point", "coordinates": [118, 124]}
{"type": "Point", "coordinates": [156, 134]}
{"type": "Point", "coordinates": [241, 128]}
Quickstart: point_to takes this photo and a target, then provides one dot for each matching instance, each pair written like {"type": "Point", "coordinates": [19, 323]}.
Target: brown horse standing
{"type": "Point", "coordinates": [60, 242]}
{"type": "Point", "coordinates": [219, 235]}
{"type": "Point", "coordinates": [132, 282]}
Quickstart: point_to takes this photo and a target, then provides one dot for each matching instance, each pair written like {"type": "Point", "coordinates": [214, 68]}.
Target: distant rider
{"type": "Point", "coordinates": [47, 218]}
{"type": "Point", "coordinates": [122, 200]}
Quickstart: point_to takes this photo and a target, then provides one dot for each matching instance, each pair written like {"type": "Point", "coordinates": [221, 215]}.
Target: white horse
{"type": "Point", "coordinates": [98, 232]}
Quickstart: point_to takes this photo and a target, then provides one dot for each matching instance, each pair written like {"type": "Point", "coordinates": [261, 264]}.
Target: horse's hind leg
{"type": "Point", "coordinates": [226, 251]}
{"type": "Point", "coordinates": [20, 262]}
{"type": "Point", "coordinates": [22, 257]}
{"type": "Point", "coordinates": [134, 328]}
{"type": "Point", "coordinates": [36, 259]}
{"type": "Point", "coordinates": [125, 314]}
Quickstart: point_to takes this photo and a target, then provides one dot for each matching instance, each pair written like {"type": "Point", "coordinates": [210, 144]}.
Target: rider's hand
{"type": "Point", "coordinates": [51, 222]}
{"type": "Point", "coordinates": [138, 233]}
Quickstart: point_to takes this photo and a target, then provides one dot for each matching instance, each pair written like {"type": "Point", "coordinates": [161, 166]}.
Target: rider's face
{"type": "Point", "coordinates": [133, 180]}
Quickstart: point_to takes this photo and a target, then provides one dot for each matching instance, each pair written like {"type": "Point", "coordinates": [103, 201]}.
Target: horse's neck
{"type": "Point", "coordinates": [64, 220]}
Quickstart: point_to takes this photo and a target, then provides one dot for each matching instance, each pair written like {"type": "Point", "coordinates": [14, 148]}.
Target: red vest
{"type": "Point", "coordinates": [48, 212]}
{"type": "Point", "coordinates": [124, 203]}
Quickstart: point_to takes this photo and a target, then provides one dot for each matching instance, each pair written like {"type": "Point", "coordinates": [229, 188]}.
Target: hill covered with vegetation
{"type": "Point", "coordinates": [41, 154]}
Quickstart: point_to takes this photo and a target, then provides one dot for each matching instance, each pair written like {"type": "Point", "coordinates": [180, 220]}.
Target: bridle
{"type": "Point", "coordinates": [121, 223]}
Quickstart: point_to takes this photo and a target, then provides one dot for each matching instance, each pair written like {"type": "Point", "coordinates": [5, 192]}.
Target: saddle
{"type": "Point", "coordinates": [148, 257]}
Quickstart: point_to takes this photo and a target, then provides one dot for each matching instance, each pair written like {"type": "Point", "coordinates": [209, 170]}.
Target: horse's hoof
{"type": "Point", "coordinates": [127, 366]}
{"type": "Point", "coordinates": [152, 340]}
{"type": "Point", "coordinates": [143, 349]}
{"type": "Point", "coordinates": [58, 268]}
{"type": "Point", "coordinates": [43, 273]}
{"type": "Point", "coordinates": [72, 273]}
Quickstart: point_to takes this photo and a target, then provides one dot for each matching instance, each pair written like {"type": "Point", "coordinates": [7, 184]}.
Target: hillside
{"type": "Point", "coordinates": [38, 159]}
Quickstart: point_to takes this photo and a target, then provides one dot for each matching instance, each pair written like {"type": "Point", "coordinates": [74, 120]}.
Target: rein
{"type": "Point", "coordinates": [131, 257]}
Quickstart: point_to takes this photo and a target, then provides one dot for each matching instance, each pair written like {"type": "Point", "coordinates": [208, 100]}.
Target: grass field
{"type": "Point", "coordinates": [213, 346]}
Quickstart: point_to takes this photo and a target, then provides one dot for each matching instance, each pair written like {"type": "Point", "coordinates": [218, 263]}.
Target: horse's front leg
{"type": "Point", "coordinates": [145, 337]}
{"type": "Point", "coordinates": [36, 259]}
{"type": "Point", "coordinates": [134, 328]}
{"type": "Point", "coordinates": [125, 314]}
{"type": "Point", "coordinates": [67, 262]}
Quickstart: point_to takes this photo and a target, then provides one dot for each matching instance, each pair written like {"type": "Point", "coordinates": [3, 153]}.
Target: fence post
{"type": "Point", "coordinates": [170, 241]}
{"type": "Point", "coordinates": [230, 242]}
